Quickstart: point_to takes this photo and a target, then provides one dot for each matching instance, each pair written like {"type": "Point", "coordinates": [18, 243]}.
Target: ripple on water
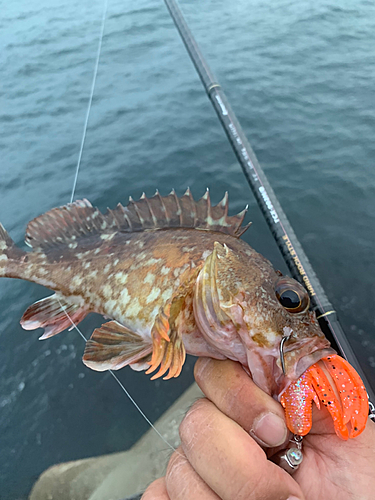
{"type": "Point", "coordinates": [299, 76]}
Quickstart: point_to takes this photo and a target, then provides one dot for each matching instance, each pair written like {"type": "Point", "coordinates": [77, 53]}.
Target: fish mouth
{"type": "Point", "coordinates": [295, 370]}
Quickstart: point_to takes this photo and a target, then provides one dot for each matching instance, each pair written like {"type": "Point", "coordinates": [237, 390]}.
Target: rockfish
{"type": "Point", "coordinates": [174, 278]}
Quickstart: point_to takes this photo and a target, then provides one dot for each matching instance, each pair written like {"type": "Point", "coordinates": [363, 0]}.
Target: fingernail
{"type": "Point", "coordinates": [293, 498]}
{"type": "Point", "coordinates": [270, 429]}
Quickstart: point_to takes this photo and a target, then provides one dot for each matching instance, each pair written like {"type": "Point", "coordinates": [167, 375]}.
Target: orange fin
{"type": "Point", "coordinates": [113, 346]}
{"type": "Point", "coordinates": [52, 314]}
{"type": "Point", "coordinates": [352, 393]}
{"type": "Point", "coordinates": [168, 348]}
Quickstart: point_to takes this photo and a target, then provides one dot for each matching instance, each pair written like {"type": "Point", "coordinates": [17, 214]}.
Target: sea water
{"type": "Point", "coordinates": [300, 77]}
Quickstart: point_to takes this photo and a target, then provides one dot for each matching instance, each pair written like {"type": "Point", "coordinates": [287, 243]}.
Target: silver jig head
{"type": "Point", "coordinates": [291, 458]}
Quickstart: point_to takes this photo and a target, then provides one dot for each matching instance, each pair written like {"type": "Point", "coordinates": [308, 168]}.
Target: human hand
{"type": "Point", "coordinates": [225, 442]}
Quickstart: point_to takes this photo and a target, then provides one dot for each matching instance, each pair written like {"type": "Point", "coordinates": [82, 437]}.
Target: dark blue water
{"type": "Point", "coordinates": [300, 77]}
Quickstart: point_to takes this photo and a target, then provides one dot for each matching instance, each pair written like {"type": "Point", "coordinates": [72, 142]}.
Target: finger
{"type": "Point", "coordinates": [231, 389]}
{"type": "Point", "coordinates": [156, 491]}
{"type": "Point", "coordinates": [183, 483]}
{"type": "Point", "coordinates": [229, 460]}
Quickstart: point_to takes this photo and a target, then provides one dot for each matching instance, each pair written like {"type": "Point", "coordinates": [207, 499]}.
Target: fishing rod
{"type": "Point", "coordinates": [280, 227]}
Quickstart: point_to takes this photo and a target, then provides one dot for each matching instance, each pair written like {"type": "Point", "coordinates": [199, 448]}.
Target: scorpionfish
{"type": "Point", "coordinates": [173, 277]}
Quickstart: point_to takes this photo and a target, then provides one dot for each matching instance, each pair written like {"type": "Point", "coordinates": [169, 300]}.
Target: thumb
{"type": "Point", "coordinates": [229, 387]}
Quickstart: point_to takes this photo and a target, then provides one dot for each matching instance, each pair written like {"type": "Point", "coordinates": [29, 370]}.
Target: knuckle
{"type": "Point", "coordinates": [176, 462]}
{"type": "Point", "coordinates": [194, 419]}
{"type": "Point", "coordinates": [178, 476]}
{"type": "Point", "coordinates": [203, 369]}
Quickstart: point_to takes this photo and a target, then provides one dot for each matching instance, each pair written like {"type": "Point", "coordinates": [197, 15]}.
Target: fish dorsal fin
{"type": "Point", "coordinates": [78, 219]}
{"type": "Point", "coordinates": [64, 225]}
{"type": "Point", "coordinates": [163, 212]}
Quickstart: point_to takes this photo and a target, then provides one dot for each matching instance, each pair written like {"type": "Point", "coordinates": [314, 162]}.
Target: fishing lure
{"type": "Point", "coordinates": [342, 393]}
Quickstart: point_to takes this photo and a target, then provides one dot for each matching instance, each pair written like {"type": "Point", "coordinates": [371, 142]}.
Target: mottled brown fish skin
{"type": "Point", "coordinates": [127, 277]}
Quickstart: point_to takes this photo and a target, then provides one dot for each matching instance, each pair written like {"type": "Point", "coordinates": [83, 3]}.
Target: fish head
{"type": "Point", "coordinates": [304, 342]}
{"type": "Point", "coordinates": [245, 308]}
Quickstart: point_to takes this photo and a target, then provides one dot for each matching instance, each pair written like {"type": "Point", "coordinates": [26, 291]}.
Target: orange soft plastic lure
{"type": "Point", "coordinates": [346, 400]}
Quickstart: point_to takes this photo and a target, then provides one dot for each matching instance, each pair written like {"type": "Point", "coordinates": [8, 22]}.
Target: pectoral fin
{"type": "Point", "coordinates": [54, 314]}
{"type": "Point", "coordinates": [113, 346]}
{"type": "Point", "coordinates": [168, 350]}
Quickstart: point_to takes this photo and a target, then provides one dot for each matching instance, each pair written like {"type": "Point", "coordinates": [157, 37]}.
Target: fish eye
{"type": "Point", "coordinates": [291, 295]}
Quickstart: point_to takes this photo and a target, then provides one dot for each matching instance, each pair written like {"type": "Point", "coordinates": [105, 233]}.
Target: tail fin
{"type": "Point", "coordinates": [8, 252]}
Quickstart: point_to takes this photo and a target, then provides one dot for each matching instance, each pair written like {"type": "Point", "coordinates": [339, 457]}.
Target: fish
{"type": "Point", "coordinates": [173, 277]}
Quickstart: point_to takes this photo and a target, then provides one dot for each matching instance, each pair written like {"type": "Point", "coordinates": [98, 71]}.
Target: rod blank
{"type": "Point", "coordinates": [282, 231]}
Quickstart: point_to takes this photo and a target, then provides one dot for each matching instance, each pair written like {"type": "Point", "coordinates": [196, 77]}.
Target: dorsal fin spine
{"type": "Point", "coordinates": [179, 211]}
{"type": "Point", "coordinates": [128, 221]}
{"type": "Point", "coordinates": [243, 229]}
{"type": "Point", "coordinates": [141, 219]}
{"type": "Point", "coordinates": [77, 220]}
{"type": "Point", "coordinates": [194, 208]}
{"type": "Point", "coordinates": [241, 217]}
{"type": "Point", "coordinates": [157, 194]}
{"type": "Point", "coordinates": [209, 214]}
{"type": "Point", "coordinates": [224, 203]}
{"type": "Point", "coordinates": [154, 219]}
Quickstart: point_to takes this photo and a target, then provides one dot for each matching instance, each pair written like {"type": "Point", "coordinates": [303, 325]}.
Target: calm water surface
{"type": "Point", "coordinates": [300, 78]}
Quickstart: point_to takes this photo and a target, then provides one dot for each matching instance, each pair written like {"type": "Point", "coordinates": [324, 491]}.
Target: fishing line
{"type": "Point", "coordinates": [105, 8]}
{"type": "Point", "coordinates": [120, 384]}
{"type": "Point", "coordinates": [90, 99]}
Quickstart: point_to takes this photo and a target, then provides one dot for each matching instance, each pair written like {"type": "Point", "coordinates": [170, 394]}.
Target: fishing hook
{"type": "Point", "coordinates": [282, 360]}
